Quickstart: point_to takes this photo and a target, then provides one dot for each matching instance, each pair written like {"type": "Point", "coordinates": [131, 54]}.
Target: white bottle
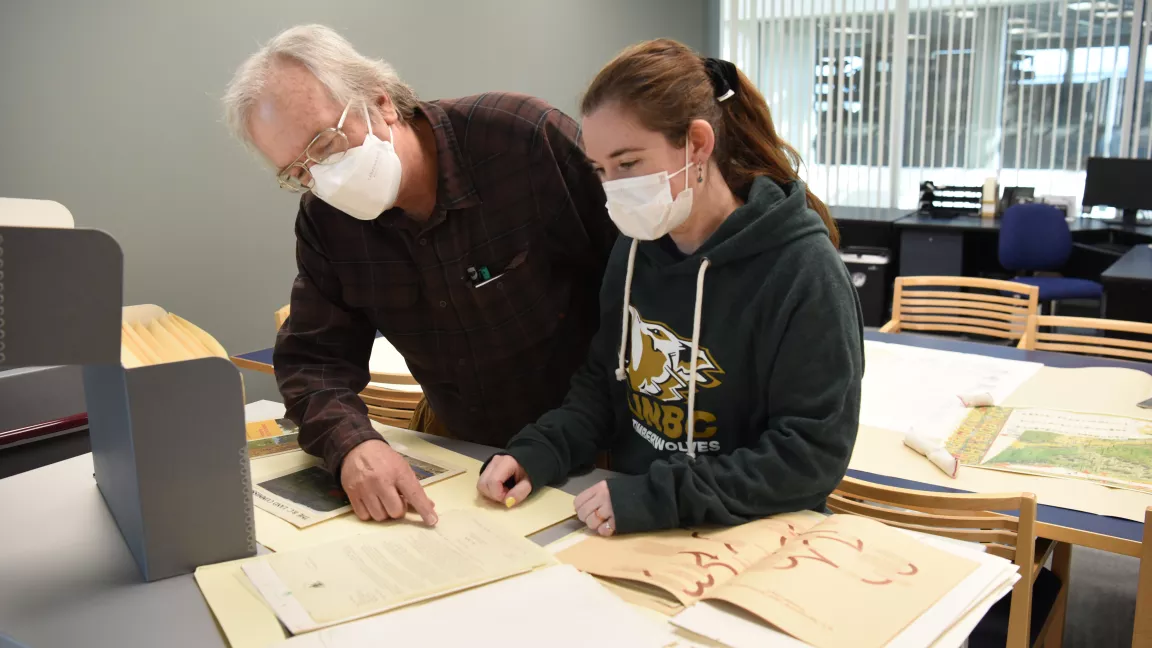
{"type": "Point", "coordinates": [988, 200]}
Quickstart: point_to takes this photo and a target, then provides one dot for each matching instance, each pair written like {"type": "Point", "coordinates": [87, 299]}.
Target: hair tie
{"type": "Point", "coordinates": [724, 76]}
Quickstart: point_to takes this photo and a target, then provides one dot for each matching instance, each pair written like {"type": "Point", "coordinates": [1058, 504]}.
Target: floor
{"type": "Point", "coordinates": [1102, 600]}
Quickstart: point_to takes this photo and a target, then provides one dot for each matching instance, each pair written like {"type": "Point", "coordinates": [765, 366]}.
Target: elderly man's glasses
{"type": "Point", "coordinates": [328, 147]}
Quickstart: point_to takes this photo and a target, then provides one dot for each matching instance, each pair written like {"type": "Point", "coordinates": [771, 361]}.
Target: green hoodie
{"type": "Point", "coordinates": [777, 383]}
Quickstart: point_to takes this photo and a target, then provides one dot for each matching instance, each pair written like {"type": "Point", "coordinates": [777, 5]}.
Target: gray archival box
{"type": "Point", "coordinates": [168, 440]}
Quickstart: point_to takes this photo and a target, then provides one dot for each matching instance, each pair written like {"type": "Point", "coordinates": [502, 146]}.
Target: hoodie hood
{"type": "Point", "coordinates": [731, 388]}
{"type": "Point", "coordinates": [774, 216]}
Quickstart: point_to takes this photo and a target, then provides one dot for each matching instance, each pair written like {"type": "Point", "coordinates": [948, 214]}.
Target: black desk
{"type": "Point", "coordinates": [867, 226]}
{"type": "Point", "coordinates": [969, 245]}
{"type": "Point", "coordinates": [867, 214]}
{"type": "Point", "coordinates": [1128, 286]}
{"type": "Point", "coordinates": [961, 246]}
{"type": "Point", "coordinates": [959, 223]}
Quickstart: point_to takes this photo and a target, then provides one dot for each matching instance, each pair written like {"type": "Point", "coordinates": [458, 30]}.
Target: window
{"type": "Point", "coordinates": [880, 95]}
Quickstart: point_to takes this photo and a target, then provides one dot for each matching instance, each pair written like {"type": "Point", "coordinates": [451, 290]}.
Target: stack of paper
{"type": "Point", "coordinates": [392, 568]}
{"type": "Point", "coordinates": [803, 579]}
{"type": "Point", "coordinates": [149, 336]}
{"type": "Point", "coordinates": [946, 624]}
{"type": "Point", "coordinates": [272, 436]}
{"type": "Point", "coordinates": [557, 607]}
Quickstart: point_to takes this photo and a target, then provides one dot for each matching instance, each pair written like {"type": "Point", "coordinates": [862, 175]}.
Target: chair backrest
{"type": "Point", "coordinates": [1040, 336]}
{"type": "Point", "coordinates": [1034, 236]}
{"type": "Point", "coordinates": [988, 307]}
{"type": "Point", "coordinates": [282, 316]}
{"type": "Point", "coordinates": [393, 394]}
{"type": "Point", "coordinates": [962, 516]}
{"type": "Point", "coordinates": [390, 405]}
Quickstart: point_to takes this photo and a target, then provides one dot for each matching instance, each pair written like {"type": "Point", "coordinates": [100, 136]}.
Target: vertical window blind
{"type": "Point", "coordinates": [881, 95]}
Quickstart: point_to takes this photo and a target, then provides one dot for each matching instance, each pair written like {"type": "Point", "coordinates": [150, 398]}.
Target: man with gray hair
{"type": "Point", "coordinates": [472, 233]}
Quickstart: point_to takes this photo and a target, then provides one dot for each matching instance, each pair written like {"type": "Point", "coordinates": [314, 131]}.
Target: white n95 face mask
{"type": "Point", "coordinates": [364, 183]}
{"type": "Point", "coordinates": [643, 208]}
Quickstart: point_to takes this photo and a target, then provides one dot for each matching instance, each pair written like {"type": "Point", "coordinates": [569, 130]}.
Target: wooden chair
{"type": "Point", "coordinates": [985, 308]}
{"type": "Point", "coordinates": [388, 402]}
{"type": "Point", "coordinates": [390, 397]}
{"type": "Point", "coordinates": [1038, 336]}
{"type": "Point", "coordinates": [281, 317]}
{"type": "Point", "coordinates": [972, 517]}
{"type": "Point", "coordinates": [1142, 632]}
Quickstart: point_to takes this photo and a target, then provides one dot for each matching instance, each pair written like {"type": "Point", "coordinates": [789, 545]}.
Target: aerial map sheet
{"type": "Point", "coordinates": [1110, 450]}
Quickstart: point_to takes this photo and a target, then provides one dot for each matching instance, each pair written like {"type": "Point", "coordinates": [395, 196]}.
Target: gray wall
{"type": "Point", "coordinates": [112, 109]}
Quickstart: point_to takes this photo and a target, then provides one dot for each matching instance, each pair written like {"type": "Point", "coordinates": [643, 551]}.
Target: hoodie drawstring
{"type": "Point", "coordinates": [626, 318]}
{"type": "Point", "coordinates": [691, 422]}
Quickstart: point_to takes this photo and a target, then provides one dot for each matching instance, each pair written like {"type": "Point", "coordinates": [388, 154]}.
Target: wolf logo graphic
{"type": "Point", "coordinates": [660, 363]}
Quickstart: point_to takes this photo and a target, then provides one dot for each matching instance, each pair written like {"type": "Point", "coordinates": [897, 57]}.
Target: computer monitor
{"type": "Point", "coordinates": [1122, 183]}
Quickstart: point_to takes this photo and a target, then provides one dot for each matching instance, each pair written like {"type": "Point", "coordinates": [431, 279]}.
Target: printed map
{"type": "Point", "coordinates": [1110, 450]}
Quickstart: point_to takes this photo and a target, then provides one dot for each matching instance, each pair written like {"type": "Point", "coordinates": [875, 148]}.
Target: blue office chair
{"type": "Point", "coordinates": [1034, 237]}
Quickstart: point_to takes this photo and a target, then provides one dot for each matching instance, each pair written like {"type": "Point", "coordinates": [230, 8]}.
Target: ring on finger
{"type": "Point", "coordinates": [599, 519]}
{"type": "Point", "coordinates": [600, 516]}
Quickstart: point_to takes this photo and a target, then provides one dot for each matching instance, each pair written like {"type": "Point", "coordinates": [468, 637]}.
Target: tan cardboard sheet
{"type": "Point", "coordinates": [243, 617]}
{"type": "Point", "coordinates": [1095, 390]}
{"type": "Point", "coordinates": [546, 507]}
{"type": "Point", "coordinates": [1091, 390]}
{"type": "Point", "coordinates": [883, 452]}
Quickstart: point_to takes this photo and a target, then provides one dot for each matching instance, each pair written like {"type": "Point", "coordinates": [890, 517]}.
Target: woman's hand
{"type": "Point", "coordinates": [594, 508]}
{"type": "Point", "coordinates": [494, 482]}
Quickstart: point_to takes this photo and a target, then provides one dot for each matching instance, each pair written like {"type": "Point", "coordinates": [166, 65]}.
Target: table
{"type": "Point", "coordinates": [936, 246]}
{"type": "Point", "coordinates": [67, 579]}
{"type": "Point", "coordinates": [1110, 534]}
{"type": "Point", "coordinates": [42, 419]}
{"type": "Point", "coordinates": [1065, 526]}
{"type": "Point", "coordinates": [1128, 286]}
{"type": "Point", "coordinates": [255, 360]}
{"type": "Point", "coordinates": [1075, 527]}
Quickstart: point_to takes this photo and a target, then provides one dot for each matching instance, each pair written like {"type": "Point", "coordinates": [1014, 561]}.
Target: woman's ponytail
{"type": "Point", "coordinates": [748, 142]}
{"type": "Point", "coordinates": [666, 86]}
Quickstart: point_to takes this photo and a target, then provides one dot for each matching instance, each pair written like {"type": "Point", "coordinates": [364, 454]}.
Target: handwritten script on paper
{"type": "Point", "coordinates": [835, 581]}
{"type": "Point", "coordinates": [689, 563]}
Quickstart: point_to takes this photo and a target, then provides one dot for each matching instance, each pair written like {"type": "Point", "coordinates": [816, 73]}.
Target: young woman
{"type": "Point", "coordinates": [725, 378]}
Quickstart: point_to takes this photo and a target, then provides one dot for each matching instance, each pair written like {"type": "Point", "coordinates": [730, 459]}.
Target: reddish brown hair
{"type": "Point", "coordinates": [666, 86]}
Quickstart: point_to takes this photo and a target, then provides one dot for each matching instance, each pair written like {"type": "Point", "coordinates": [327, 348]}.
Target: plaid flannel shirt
{"type": "Point", "coordinates": [517, 197]}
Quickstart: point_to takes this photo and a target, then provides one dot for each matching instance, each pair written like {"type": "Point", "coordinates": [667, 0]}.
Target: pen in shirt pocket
{"type": "Point", "coordinates": [481, 276]}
